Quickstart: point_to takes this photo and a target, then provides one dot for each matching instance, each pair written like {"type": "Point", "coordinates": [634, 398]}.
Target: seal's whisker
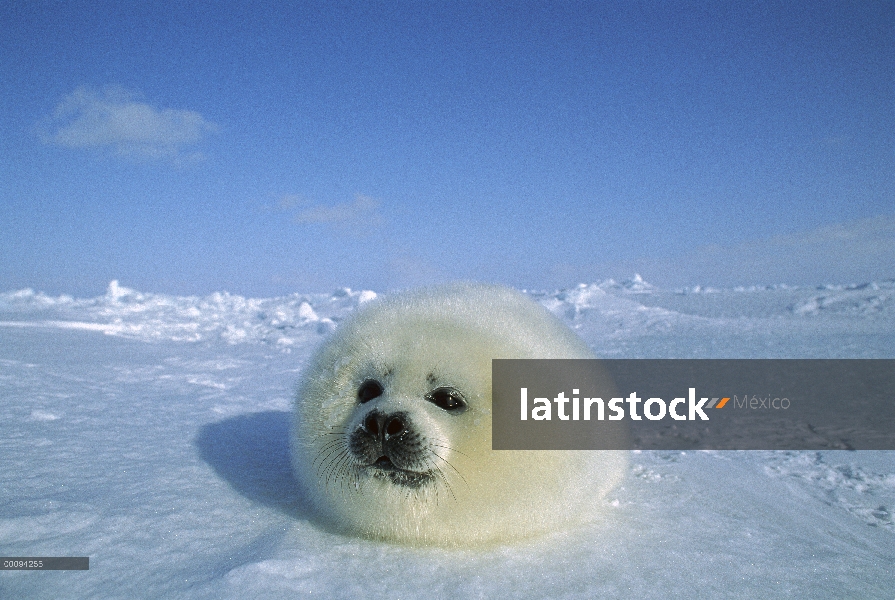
{"type": "Point", "coordinates": [447, 462]}
{"type": "Point", "coordinates": [447, 484]}
{"type": "Point", "coordinates": [344, 469]}
{"type": "Point", "coordinates": [446, 447]}
{"type": "Point", "coordinates": [324, 455]}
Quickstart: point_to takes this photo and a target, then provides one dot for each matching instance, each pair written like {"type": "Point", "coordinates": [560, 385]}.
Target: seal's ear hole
{"type": "Point", "coordinates": [368, 390]}
{"type": "Point", "coordinates": [448, 398]}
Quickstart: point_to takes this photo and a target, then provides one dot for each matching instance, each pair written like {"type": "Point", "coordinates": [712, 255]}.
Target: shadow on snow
{"type": "Point", "coordinates": [251, 453]}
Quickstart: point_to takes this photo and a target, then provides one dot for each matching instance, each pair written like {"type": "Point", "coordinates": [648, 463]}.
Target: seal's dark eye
{"type": "Point", "coordinates": [447, 398]}
{"type": "Point", "coordinates": [368, 390]}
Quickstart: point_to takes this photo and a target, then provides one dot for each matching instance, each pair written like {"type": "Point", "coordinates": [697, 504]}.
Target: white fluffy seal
{"type": "Point", "coordinates": [391, 437]}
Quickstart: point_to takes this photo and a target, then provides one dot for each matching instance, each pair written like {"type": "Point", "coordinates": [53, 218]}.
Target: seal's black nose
{"type": "Point", "coordinates": [384, 426]}
{"type": "Point", "coordinates": [394, 426]}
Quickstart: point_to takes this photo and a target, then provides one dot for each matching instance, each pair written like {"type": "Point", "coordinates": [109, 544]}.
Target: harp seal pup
{"type": "Point", "coordinates": [391, 437]}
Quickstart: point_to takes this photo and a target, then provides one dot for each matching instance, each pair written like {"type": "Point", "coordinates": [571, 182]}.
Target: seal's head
{"type": "Point", "coordinates": [392, 430]}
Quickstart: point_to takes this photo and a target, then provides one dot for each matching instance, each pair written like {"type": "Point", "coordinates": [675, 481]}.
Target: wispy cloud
{"type": "Point", "coordinates": [115, 118]}
{"type": "Point", "coordinates": [363, 212]}
{"type": "Point", "coordinates": [849, 252]}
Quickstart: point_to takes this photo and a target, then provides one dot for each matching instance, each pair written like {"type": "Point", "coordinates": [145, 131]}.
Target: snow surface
{"type": "Point", "coordinates": [160, 450]}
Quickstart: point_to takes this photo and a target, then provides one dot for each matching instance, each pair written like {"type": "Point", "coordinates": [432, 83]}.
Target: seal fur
{"type": "Point", "coordinates": [391, 436]}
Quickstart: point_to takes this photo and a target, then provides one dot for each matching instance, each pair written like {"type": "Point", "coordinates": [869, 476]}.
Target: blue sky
{"type": "Point", "coordinates": [268, 148]}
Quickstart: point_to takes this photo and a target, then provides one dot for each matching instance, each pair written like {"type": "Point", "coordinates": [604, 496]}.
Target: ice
{"type": "Point", "coordinates": [299, 318]}
{"type": "Point", "coordinates": [150, 432]}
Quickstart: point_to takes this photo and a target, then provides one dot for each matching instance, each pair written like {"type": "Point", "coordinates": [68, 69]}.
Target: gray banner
{"type": "Point", "coordinates": [649, 404]}
{"type": "Point", "coordinates": [44, 563]}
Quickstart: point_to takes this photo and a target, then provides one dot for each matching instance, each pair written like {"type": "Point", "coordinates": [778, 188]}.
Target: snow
{"type": "Point", "coordinates": [149, 432]}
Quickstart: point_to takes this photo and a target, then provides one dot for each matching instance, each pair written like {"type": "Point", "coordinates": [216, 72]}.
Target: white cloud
{"type": "Point", "coordinates": [364, 211]}
{"type": "Point", "coordinates": [113, 118]}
